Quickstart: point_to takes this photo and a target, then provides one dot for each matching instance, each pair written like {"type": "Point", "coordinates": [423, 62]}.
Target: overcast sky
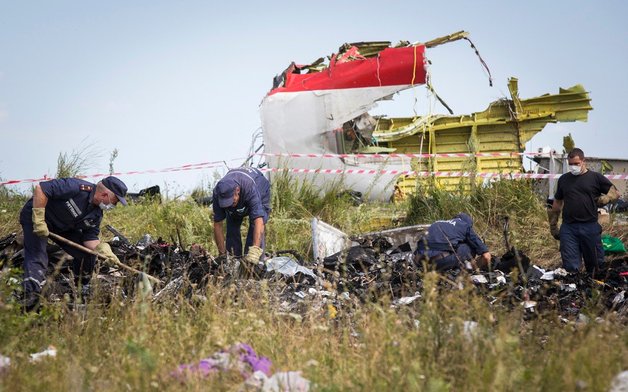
{"type": "Point", "coordinates": [170, 83]}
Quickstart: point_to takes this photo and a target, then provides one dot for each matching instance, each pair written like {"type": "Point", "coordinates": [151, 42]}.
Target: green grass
{"type": "Point", "coordinates": [135, 345]}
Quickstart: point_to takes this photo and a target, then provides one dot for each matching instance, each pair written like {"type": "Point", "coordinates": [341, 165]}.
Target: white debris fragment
{"type": "Point", "coordinates": [406, 300]}
{"type": "Point", "coordinates": [5, 362]}
{"type": "Point", "coordinates": [278, 382]}
{"type": "Point", "coordinates": [548, 276]}
{"type": "Point", "coordinates": [51, 351]}
{"type": "Point", "coordinates": [620, 382]}
{"type": "Point", "coordinates": [469, 328]}
{"type": "Point", "coordinates": [479, 279]}
{"type": "Point", "coordinates": [619, 298]}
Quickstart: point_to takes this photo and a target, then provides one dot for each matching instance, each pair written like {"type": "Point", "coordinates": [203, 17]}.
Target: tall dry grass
{"type": "Point", "coordinates": [132, 344]}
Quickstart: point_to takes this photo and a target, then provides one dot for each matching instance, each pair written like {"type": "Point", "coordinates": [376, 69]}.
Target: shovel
{"type": "Point", "coordinates": [57, 237]}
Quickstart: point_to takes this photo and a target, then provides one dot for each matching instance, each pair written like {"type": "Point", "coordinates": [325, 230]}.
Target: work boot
{"type": "Point", "coordinates": [28, 301]}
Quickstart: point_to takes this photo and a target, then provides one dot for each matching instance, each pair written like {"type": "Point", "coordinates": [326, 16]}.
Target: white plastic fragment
{"type": "Point", "coordinates": [469, 328]}
{"type": "Point", "coordinates": [5, 362]}
{"type": "Point", "coordinates": [286, 381]}
{"type": "Point", "coordinates": [406, 300]}
{"type": "Point", "coordinates": [548, 275]}
{"type": "Point", "coordinates": [619, 298]}
{"type": "Point", "coordinates": [287, 266]}
{"type": "Point", "coordinates": [479, 279]}
{"type": "Point", "coordinates": [51, 351]}
{"type": "Point", "coordinates": [535, 272]}
{"type": "Point", "coordinates": [560, 272]}
{"type": "Point", "coordinates": [620, 382]}
{"type": "Point", "coordinates": [568, 287]}
{"type": "Point", "coordinates": [278, 382]}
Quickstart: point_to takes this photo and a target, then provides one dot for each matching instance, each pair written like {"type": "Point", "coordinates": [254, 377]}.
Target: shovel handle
{"type": "Point", "coordinates": [80, 247]}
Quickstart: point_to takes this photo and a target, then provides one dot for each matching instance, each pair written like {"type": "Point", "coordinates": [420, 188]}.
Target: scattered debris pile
{"type": "Point", "coordinates": [361, 273]}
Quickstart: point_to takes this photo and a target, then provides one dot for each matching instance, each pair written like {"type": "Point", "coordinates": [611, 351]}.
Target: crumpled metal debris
{"type": "Point", "coordinates": [344, 280]}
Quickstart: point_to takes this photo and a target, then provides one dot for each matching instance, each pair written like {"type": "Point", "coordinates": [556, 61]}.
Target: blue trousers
{"type": "Point", "coordinates": [234, 236]}
{"type": "Point", "coordinates": [453, 260]}
{"type": "Point", "coordinates": [581, 241]}
{"type": "Point", "coordinates": [36, 259]}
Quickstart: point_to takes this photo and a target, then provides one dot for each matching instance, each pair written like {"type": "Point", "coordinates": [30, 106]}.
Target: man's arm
{"type": "Point", "coordinates": [40, 200]}
{"type": "Point", "coordinates": [91, 244]}
{"type": "Point", "coordinates": [258, 231]}
{"type": "Point", "coordinates": [219, 238]}
{"type": "Point", "coordinates": [610, 196]}
{"type": "Point", "coordinates": [553, 214]}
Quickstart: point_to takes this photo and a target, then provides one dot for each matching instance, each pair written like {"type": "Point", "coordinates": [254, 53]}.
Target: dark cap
{"type": "Point", "coordinates": [116, 186]}
{"type": "Point", "coordinates": [465, 218]}
{"type": "Point", "coordinates": [224, 191]}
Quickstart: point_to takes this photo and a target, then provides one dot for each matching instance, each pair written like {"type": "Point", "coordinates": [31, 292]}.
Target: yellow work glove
{"type": "Point", "coordinates": [552, 217]}
{"type": "Point", "coordinates": [105, 250]}
{"type": "Point", "coordinates": [40, 228]}
{"type": "Point", "coordinates": [249, 262]}
{"type": "Point", "coordinates": [603, 200]}
{"type": "Point", "coordinates": [253, 255]}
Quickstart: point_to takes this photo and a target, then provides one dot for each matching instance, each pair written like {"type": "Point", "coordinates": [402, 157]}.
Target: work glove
{"type": "Point", "coordinates": [552, 217]}
{"type": "Point", "coordinates": [603, 200]}
{"type": "Point", "coordinates": [40, 228]}
{"type": "Point", "coordinates": [253, 255]}
{"type": "Point", "coordinates": [248, 263]}
{"type": "Point", "coordinates": [105, 250]}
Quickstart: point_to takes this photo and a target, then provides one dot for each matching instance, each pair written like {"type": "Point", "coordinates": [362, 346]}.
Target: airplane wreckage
{"type": "Point", "coordinates": [315, 122]}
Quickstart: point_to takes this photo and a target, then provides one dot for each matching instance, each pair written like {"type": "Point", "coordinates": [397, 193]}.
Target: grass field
{"type": "Point", "coordinates": [135, 345]}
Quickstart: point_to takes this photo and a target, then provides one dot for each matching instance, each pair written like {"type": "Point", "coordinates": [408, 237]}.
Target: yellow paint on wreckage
{"type": "Point", "coordinates": [504, 127]}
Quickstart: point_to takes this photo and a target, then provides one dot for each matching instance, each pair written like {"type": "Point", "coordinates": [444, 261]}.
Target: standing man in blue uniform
{"type": "Point", "coordinates": [450, 243]}
{"type": "Point", "coordinates": [241, 192]}
{"type": "Point", "coordinates": [71, 208]}
{"type": "Point", "coordinates": [580, 192]}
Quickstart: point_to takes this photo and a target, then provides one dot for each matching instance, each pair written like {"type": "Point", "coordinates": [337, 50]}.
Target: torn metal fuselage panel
{"type": "Point", "coordinates": [320, 109]}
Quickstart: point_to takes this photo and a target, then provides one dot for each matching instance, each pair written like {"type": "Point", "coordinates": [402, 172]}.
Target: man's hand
{"type": "Point", "coordinates": [253, 255]}
{"type": "Point", "coordinates": [552, 217]}
{"type": "Point", "coordinates": [40, 228]}
{"type": "Point", "coordinates": [603, 200]}
{"type": "Point", "coordinates": [486, 259]}
{"type": "Point", "coordinates": [221, 259]}
{"type": "Point", "coordinates": [104, 249]}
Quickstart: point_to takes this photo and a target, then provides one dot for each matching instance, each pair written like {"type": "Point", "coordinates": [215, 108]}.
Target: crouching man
{"type": "Point", "coordinates": [448, 244]}
{"type": "Point", "coordinates": [241, 192]}
{"type": "Point", "coordinates": [73, 209]}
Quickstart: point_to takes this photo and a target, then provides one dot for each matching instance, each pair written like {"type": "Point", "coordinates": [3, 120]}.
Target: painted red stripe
{"type": "Point", "coordinates": [392, 67]}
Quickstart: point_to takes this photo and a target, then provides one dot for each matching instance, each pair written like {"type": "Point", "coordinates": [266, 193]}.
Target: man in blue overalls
{"type": "Point", "coordinates": [71, 208]}
{"type": "Point", "coordinates": [578, 194]}
{"type": "Point", "coordinates": [241, 192]}
{"type": "Point", "coordinates": [450, 243]}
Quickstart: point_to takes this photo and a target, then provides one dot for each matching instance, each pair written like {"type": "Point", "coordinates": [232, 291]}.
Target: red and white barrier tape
{"type": "Point", "coordinates": [191, 166]}
{"type": "Point", "coordinates": [428, 174]}
{"type": "Point", "coordinates": [397, 155]}
{"type": "Point", "coordinates": [209, 165]}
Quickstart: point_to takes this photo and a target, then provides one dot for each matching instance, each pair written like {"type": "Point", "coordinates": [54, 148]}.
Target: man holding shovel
{"type": "Point", "coordinates": [73, 209]}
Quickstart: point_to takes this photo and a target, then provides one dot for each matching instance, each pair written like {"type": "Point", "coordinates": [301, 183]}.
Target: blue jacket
{"type": "Point", "coordinates": [446, 235]}
{"type": "Point", "coordinates": [254, 195]}
{"type": "Point", "coordinates": [69, 207]}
